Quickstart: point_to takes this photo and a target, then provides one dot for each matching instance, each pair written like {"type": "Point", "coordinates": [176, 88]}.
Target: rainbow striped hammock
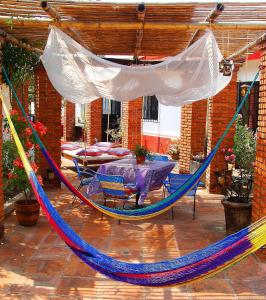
{"type": "Point", "coordinates": [134, 214]}
{"type": "Point", "coordinates": [194, 266]}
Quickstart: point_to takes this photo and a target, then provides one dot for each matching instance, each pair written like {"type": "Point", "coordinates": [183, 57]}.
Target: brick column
{"type": "Point", "coordinates": [94, 121]}
{"type": "Point", "coordinates": [131, 123]}
{"type": "Point", "coordinates": [48, 111]}
{"type": "Point", "coordinates": [259, 196]}
{"type": "Point", "coordinates": [222, 107]}
{"type": "Point", "coordinates": [193, 124]}
{"type": "Point", "coordinates": [2, 214]}
{"type": "Point", "coordinates": [69, 121]}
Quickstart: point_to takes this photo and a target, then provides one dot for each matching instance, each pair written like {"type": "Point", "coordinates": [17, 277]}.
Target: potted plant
{"type": "Point", "coordinates": [141, 152]}
{"type": "Point", "coordinates": [236, 184]}
{"type": "Point", "coordinates": [27, 209]}
{"type": "Point", "coordinates": [174, 149]}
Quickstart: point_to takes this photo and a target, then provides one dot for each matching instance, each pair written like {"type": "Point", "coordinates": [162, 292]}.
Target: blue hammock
{"type": "Point", "coordinates": [146, 212]}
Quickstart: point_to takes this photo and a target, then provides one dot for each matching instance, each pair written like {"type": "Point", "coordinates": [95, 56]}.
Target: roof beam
{"type": "Point", "coordinates": [138, 25]}
{"type": "Point", "coordinates": [9, 38]}
{"type": "Point", "coordinates": [58, 22]}
{"type": "Point", "coordinates": [141, 9]}
{"type": "Point", "coordinates": [247, 47]}
{"type": "Point", "coordinates": [214, 14]}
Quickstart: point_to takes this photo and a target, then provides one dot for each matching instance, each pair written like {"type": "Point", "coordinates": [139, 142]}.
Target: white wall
{"type": "Point", "coordinates": [169, 123]}
{"type": "Point", "coordinates": [248, 71]}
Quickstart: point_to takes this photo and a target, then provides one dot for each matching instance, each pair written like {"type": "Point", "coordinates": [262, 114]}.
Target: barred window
{"type": "Point", "coordinates": [150, 108]}
{"type": "Point", "coordinates": [111, 107]}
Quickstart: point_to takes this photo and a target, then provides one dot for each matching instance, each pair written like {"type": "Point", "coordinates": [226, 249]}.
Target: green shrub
{"type": "Point", "coordinates": [244, 146]}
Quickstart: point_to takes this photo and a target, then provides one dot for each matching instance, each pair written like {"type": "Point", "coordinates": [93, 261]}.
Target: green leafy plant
{"type": "Point", "coordinates": [140, 150]}
{"type": "Point", "coordinates": [244, 146]}
{"type": "Point", "coordinates": [19, 63]}
{"type": "Point", "coordinates": [15, 177]}
{"type": "Point", "coordinates": [236, 185]}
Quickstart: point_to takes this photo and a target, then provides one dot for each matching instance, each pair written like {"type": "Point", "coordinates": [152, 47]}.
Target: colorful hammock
{"type": "Point", "coordinates": [194, 266]}
{"type": "Point", "coordinates": [146, 212]}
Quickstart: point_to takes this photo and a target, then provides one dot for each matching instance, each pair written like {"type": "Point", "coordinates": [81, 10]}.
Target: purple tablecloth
{"type": "Point", "coordinates": [147, 176]}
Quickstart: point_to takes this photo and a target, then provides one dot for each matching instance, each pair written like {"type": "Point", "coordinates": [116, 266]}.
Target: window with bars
{"type": "Point", "coordinates": [150, 109]}
{"type": "Point", "coordinates": [111, 107]}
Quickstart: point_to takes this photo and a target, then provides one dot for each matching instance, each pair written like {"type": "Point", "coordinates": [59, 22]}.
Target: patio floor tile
{"type": "Point", "coordinates": [36, 264]}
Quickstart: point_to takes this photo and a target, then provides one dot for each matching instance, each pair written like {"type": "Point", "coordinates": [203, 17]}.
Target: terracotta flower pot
{"type": "Point", "coordinates": [237, 215]}
{"type": "Point", "coordinates": [27, 212]}
{"type": "Point", "coordinates": [140, 159]}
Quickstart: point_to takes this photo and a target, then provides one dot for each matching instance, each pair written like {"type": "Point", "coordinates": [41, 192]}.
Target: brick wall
{"type": "Point", "coordinates": [259, 197]}
{"type": "Point", "coordinates": [69, 121]}
{"type": "Point", "coordinates": [1, 173]}
{"type": "Point", "coordinates": [192, 140]}
{"type": "Point", "coordinates": [48, 111]}
{"type": "Point", "coordinates": [131, 123]}
{"type": "Point", "coordinates": [94, 121]}
{"type": "Point", "coordinates": [221, 109]}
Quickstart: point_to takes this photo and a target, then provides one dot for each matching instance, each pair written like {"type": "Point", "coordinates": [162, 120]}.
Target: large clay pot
{"type": "Point", "coordinates": [27, 212]}
{"type": "Point", "coordinates": [140, 159]}
{"type": "Point", "coordinates": [237, 215]}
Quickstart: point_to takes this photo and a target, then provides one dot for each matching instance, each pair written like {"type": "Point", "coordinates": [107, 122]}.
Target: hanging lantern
{"type": "Point", "coordinates": [225, 67]}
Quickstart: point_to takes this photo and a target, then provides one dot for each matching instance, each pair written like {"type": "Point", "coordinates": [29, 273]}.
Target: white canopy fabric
{"type": "Point", "coordinates": [81, 77]}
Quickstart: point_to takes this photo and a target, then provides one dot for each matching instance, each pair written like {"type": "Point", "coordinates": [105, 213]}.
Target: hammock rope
{"type": "Point", "coordinates": [189, 268]}
{"type": "Point", "coordinates": [146, 212]}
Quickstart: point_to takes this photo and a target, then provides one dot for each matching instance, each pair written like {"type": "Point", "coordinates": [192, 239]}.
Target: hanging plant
{"type": "Point", "coordinates": [19, 63]}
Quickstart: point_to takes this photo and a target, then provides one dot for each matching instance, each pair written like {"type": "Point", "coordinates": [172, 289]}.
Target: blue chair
{"type": "Point", "coordinates": [114, 188]}
{"type": "Point", "coordinates": [175, 181]}
{"type": "Point", "coordinates": [85, 177]}
{"type": "Point", "coordinates": [157, 157]}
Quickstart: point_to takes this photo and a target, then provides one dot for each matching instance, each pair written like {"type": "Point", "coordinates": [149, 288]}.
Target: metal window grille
{"type": "Point", "coordinates": [150, 109]}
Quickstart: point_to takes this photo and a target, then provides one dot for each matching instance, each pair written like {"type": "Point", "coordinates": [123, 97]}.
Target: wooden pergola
{"type": "Point", "coordinates": [133, 29]}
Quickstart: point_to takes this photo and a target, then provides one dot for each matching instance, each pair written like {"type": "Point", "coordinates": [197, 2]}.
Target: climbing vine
{"type": "Point", "coordinates": [19, 63]}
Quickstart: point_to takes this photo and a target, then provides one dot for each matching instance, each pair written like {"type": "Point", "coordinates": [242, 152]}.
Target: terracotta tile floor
{"type": "Point", "coordinates": [36, 264]}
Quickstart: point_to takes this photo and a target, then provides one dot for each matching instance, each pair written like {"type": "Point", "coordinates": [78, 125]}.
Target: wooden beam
{"type": "Point", "coordinates": [57, 21]}
{"type": "Point", "coordinates": [247, 47]}
{"type": "Point", "coordinates": [9, 38]}
{"type": "Point", "coordinates": [210, 19]}
{"type": "Point", "coordinates": [50, 11]}
{"type": "Point", "coordinates": [141, 10]}
{"type": "Point", "coordinates": [160, 26]}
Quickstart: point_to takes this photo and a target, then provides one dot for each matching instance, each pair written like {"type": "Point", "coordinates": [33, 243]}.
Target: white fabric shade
{"type": "Point", "coordinates": [81, 77]}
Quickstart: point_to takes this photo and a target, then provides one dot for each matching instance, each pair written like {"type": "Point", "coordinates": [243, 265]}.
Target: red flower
{"type": "Point", "coordinates": [29, 144]}
{"type": "Point", "coordinates": [28, 131]}
{"type": "Point", "coordinates": [10, 175]}
{"type": "Point", "coordinates": [230, 150]}
{"type": "Point", "coordinates": [232, 157]}
{"type": "Point", "coordinates": [18, 163]}
{"type": "Point", "coordinates": [41, 128]}
{"type": "Point", "coordinates": [39, 177]}
{"type": "Point", "coordinates": [13, 112]}
{"type": "Point", "coordinates": [34, 167]}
